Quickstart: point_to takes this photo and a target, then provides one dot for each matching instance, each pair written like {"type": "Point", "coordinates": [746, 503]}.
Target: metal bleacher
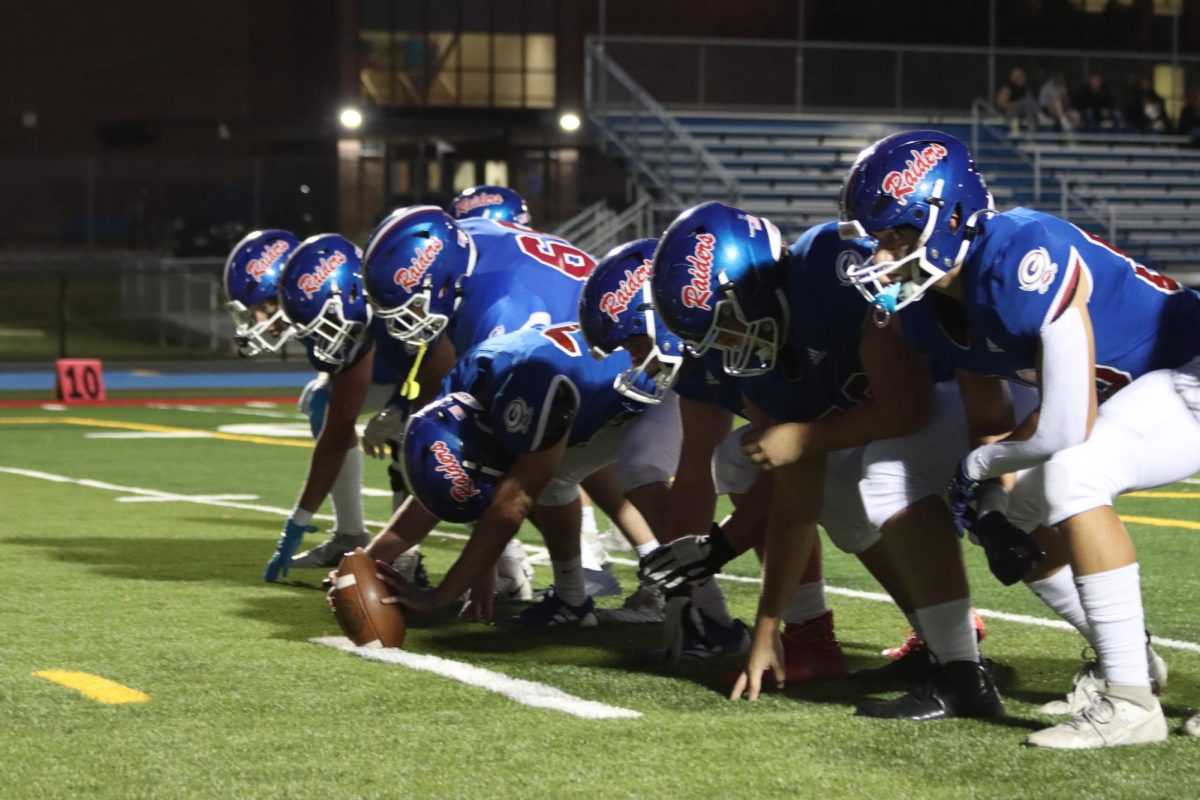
{"type": "Point", "coordinates": [1140, 192]}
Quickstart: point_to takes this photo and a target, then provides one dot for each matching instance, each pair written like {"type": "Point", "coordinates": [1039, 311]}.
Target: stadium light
{"type": "Point", "coordinates": [351, 118]}
{"type": "Point", "coordinates": [569, 122]}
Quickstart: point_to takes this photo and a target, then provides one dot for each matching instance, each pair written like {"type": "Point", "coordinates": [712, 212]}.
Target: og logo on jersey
{"type": "Point", "coordinates": [845, 260]}
{"type": "Point", "coordinates": [517, 416]}
{"type": "Point", "coordinates": [1036, 271]}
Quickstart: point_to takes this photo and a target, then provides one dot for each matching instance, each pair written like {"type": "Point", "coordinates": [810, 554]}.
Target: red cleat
{"type": "Point", "coordinates": [912, 641]}
{"type": "Point", "coordinates": [811, 650]}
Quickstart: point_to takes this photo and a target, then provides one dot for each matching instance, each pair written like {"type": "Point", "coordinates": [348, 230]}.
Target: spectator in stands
{"type": "Point", "coordinates": [1189, 117]}
{"type": "Point", "coordinates": [1055, 103]}
{"type": "Point", "coordinates": [1017, 103]}
{"type": "Point", "coordinates": [1147, 111]}
{"type": "Point", "coordinates": [1096, 105]}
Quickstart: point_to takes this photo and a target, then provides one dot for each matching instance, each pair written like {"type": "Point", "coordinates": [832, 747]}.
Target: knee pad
{"type": "Point", "coordinates": [643, 468]}
{"type": "Point", "coordinates": [558, 493]}
{"type": "Point", "coordinates": [842, 513]}
{"type": "Point", "coordinates": [732, 471]}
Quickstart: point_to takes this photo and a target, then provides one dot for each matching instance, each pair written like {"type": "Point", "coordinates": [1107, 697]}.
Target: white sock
{"type": "Point", "coordinates": [589, 520]}
{"type": "Point", "coordinates": [1113, 602]}
{"type": "Point", "coordinates": [949, 631]}
{"type": "Point", "coordinates": [808, 602]}
{"type": "Point", "coordinates": [707, 597]}
{"type": "Point", "coordinates": [1059, 594]}
{"type": "Point", "coordinates": [591, 551]}
{"type": "Point", "coordinates": [346, 494]}
{"type": "Point", "coordinates": [568, 581]}
{"type": "Point", "coordinates": [646, 549]}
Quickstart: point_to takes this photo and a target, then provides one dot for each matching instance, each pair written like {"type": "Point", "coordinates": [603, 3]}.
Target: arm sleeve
{"type": "Point", "coordinates": [1066, 382]}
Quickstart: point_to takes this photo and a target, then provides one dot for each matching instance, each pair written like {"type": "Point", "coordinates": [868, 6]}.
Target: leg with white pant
{"type": "Point", "coordinates": [902, 482]}
{"type": "Point", "coordinates": [1145, 436]}
{"type": "Point", "coordinates": [349, 529]}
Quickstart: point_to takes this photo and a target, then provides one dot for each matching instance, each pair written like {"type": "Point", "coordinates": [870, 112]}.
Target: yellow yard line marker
{"type": "Point", "coordinates": [1166, 495]}
{"type": "Point", "coordinates": [138, 426]}
{"type": "Point", "coordinates": [93, 687]}
{"type": "Point", "coordinates": [1163, 523]}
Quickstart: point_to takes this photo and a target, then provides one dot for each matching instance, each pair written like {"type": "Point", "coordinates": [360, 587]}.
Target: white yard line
{"type": "Point", "coordinates": [151, 435]}
{"type": "Point", "coordinates": [209, 500]}
{"type": "Point", "coordinates": [254, 411]}
{"type": "Point", "coordinates": [527, 693]}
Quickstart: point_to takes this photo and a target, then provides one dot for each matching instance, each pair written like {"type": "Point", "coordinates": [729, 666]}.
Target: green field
{"type": "Point", "coordinates": [149, 575]}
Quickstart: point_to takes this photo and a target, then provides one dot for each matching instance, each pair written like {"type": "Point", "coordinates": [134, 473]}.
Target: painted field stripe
{"type": "Point", "coordinates": [1166, 495]}
{"type": "Point", "coordinates": [1162, 523]}
{"type": "Point", "coordinates": [137, 426]}
{"type": "Point", "coordinates": [1023, 619]}
{"type": "Point", "coordinates": [149, 435]}
{"type": "Point", "coordinates": [93, 687]}
{"type": "Point", "coordinates": [527, 693]}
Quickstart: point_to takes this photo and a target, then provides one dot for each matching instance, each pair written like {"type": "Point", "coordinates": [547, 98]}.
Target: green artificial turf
{"type": "Point", "coordinates": [166, 597]}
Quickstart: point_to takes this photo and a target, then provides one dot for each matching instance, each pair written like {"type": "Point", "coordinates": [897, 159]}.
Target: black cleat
{"type": "Point", "coordinates": [956, 689]}
{"type": "Point", "coordinates": [915, 666]}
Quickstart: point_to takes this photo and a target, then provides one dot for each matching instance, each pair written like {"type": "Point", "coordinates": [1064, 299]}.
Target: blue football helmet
{"type": "Point", "coordinates": [717, 282]}
{"type": "Point", "coordinates": [491, 202]}
{"type": "Point", "coordinates": [251, 280]}
{"type": "Point", "coordinates": [416, 263]}
{"type": "Point", "coordinates": [615, 305]}
{"type": "Point", "coordinates": [917, 179]}
{"type": "Point", "coordinates": [321, 294]}
{"type": "Point", "coordinates": [451, 462]}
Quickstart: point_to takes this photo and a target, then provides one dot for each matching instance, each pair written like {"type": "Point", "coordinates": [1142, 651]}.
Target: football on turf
{"type": "Point", "coordinates": [358, 606]}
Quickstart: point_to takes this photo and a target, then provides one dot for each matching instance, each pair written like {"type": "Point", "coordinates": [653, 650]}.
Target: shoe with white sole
{"type": "Point", "coordinates": [601, 582]}
{"type": "Point", "coordinates": [1107, 721]}
{"type": "Point", "coordinates": [551, 612]}
{"type": "Point", "coordinates": [514, 573]}
{"type": "Point", "coordinates": [329, 552]}
{"type": "Point", "coordinates": [1088, 681]}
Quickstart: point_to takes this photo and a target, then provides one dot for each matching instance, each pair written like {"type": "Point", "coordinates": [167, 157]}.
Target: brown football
{"type": "Point", "coordinates": [357, 604]}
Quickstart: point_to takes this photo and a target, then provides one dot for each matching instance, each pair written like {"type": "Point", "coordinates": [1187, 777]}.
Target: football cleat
{"type": "Point", "coordinates": [1088, 681]}
{"type": "Point", "coordinates": [955, 689]}
{"type": "Point", "coordinates": [411, 566]}
{"type": "Point", "coordinates": [601, 582]}
{"type": "Point", "coordinates": [1192, 726]}
{"type": "Point", "coordinates": [329, 552]}
{"type": "Point", "coordinates": [914, 666]}
{"type": "Point", "coordinates": [911, 639]}
{"type": "Point", "coordinates": [690, 633]}
{"type": "Point", "coordinates": [1107, 721]}
{"type": "Point", "coordinates": [811, 650]}
{"type": "Point", "coordinates": [645, 605]}
{"type": "Point", "coordinates": [552, 611]}
{"type": "Point", "coordinates": [514, 573]}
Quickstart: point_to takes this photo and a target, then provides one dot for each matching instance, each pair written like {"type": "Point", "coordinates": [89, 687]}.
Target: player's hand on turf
{"type": "Point", "coordinates": [289, 542]}
{"type": "Point", "coordinates": [1011, 552]}
{"type": "Point", "coordinates": [766, 654]}
{"type": "Point", "coordinates": [382, 427]}
{"type": "Point", "coordinates": [960, 496]}
{"type": "Point", "coordinates": [481, 599]}
{"type": "Point", "coordinates": [688, 558]}
{"type": "Point", "coordinates": [403, 592]}
{"type": "Point", "coordinates": [776, 445]}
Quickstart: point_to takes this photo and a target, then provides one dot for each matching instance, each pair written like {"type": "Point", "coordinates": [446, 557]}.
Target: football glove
{"type": "Point", "coordinates": [960, 496]}
{"type": "Point", "coordinates": [289, 542]}
{"type": "Point", "coordinates": [1010, 551]}
{"type": "Point", "coordinates": [689, 558]}
{"type": "Point", "coordinates": [382, 428]}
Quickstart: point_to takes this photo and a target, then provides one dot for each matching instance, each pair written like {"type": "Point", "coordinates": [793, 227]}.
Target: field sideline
{"type": "Point", "coordinates": [134, 539]}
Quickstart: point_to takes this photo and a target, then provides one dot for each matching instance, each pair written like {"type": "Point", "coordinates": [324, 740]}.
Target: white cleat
{"type": "Point", "coordinates": [1106, 722]}
{"type": "Point", "coordinates": [1088, 681]}
{"type": "Point", "coordinates": [1192, 726]}
{"type": "Point", "coordinates": [514, 573]}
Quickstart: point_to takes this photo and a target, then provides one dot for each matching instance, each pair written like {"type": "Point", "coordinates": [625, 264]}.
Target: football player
{"type": "Point", "coordinates": [522, 419]}
{"type": "Point", "coordinates": [1027, 296]}
{"type": "Point", "coordinates": [867, 426]}
{"type": "Point", "coordinates": [444, 286]}
{"type": "Point", "coordinates": [251, 281]}
{"type": "Point", "coordinates": [491, 202]}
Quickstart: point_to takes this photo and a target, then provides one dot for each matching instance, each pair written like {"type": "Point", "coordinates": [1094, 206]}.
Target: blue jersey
{"type": "Point", "coordinates": [521, 278]}
{"type": "Point", "coordinates": [819, 370]}
{"type": "Point", "coordinates": [393, 358]}
{"type": "Point", "coordinates": [1022, 272]}
{"type": "Point", "coordinates": [704, 380]}
{"type": "Point", "coordinates": [534, 382]}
